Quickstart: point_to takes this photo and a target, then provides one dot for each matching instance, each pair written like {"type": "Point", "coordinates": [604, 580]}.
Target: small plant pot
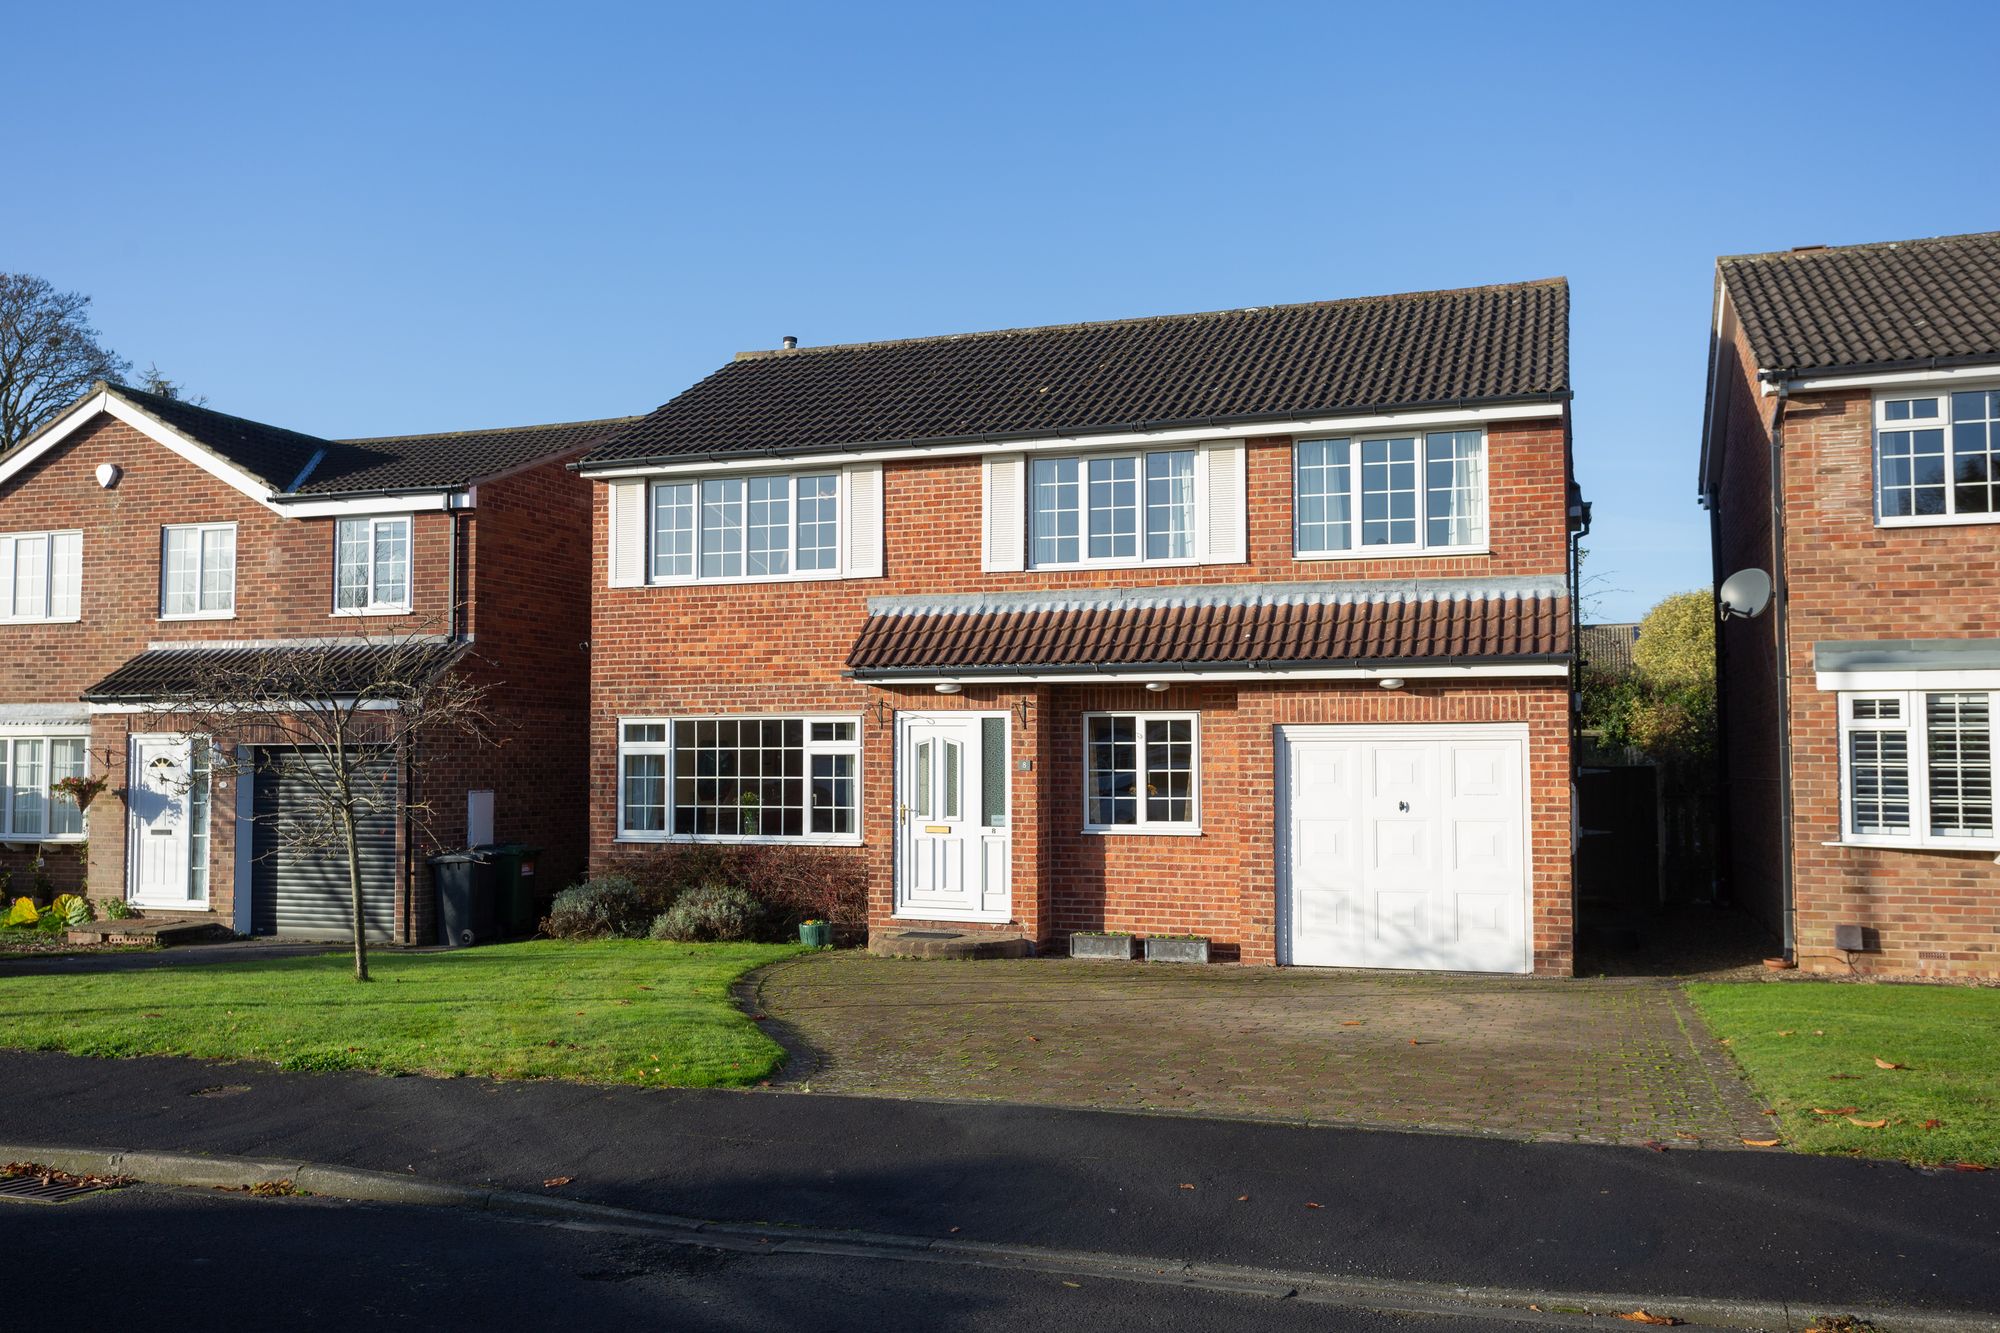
{"type": "Point", "coordinates": [1099, 944]}
{"type": "Point", "coordinates": [816, 934]}
{"type": "Point", "coordinates": [1177, 951]}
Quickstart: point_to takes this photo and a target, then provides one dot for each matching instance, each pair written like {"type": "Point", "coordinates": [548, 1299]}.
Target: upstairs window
{"type": "Point", "coordinates": [41, 576]}
{"type": "Point", "coordinates": [198, 571]}
{"type": "Point", "coordinates": [1397, 493]}
{"type": "Point", "coordinates": [1111, 509]}
{"type": "Point", "coordinates": [372, 566]}
{"type": "Point", "coordinates": [1937, 457]}
{"type": "Point", "coordinates": [1917, 767]}
{"type": "Point", "coordinates": [734, 528]}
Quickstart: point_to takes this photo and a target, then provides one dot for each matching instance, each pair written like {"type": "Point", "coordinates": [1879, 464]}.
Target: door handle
{"type": "Point", "coordinates": [1403, 806]}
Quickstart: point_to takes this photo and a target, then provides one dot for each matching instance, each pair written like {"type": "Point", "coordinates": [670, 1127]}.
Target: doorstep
{"type": "Point", "coordinates": [944, 941]}
{"type": "Point", "coordinates": [165, 930]}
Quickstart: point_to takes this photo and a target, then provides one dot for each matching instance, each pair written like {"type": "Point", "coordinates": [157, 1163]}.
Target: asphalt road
{"type": "Point", "coordinates": [173, 1259]}
{"type": "Point", "coordinates": [1825, 1234]}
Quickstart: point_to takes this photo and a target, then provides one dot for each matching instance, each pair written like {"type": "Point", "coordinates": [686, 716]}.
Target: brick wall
{"type": "Point", "coordinates": [780, 648]}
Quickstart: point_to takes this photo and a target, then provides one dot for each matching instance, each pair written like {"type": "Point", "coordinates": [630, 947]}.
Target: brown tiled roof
{"type": "Point", "coordinates": [1608, 647]}
{"type": "Point", "coordinates": [1477, 344]}
{"type": "Point", "coordinates": [175, 672]}
{"type": "Point", "coordinates": [1894, 304]}
{"type": "Point", "coordinates": [1208, 628]}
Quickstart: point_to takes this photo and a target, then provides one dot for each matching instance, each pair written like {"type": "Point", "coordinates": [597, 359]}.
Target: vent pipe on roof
{"type": "Point", "coordinates": [791, 343]}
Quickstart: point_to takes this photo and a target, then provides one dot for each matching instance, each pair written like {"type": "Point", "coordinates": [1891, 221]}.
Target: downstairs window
{"type": "Point", "coordinates": [1917, 767]}
{"type": "Point", "coordinates": [740, 778]}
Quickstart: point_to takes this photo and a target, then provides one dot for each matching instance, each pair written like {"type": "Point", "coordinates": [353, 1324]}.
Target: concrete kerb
{"type": "Point", "coordinates": [215, 1172]}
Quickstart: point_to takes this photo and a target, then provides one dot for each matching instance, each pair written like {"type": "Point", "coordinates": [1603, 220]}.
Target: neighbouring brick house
{"type": "Point", "coordinates": [1866, 379]}
{"type": "Point", "coordinates": [142, 538]}
{"type": "Point", "coordinates": [1254, 624]}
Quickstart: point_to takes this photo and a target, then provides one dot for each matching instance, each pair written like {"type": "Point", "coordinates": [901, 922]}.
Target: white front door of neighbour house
{"type": "Point", "coordinates": [167, 800]}
{"type": "Point", "coordinates": [953, 860]}
{"type": "Point", "coordinates": [1405, 847]}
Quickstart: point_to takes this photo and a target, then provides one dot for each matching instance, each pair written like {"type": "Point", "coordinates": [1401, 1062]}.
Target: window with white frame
{"type": "Point", "coordinates": [1111, 508]}
{"type": "Point", "coordinates": [41, 576]}
{"type": "Point", "coordinates": [198, 570]}
{"type": "Point", "coordinates": [371, 565]}
{"type": "Point", "coordinates": [1141, 772]}
{"type": "Point", "coordinates": [29, 767]}
{"type": "Point", "coordinates": [782, 778]}
{"type": "Point", "coordinates": [1917, 767]}
{"type": "Point", "coordinates": [1937, 457]}
{"type": "Point", "coordinates": [1418, 492]}
{"type": "Point", "coordinates": [773, 526]}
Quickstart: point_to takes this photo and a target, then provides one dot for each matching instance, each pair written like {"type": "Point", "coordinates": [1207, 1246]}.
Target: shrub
{"type": "Point", "coordinates": [117, 909]}
{"type": "Point", "coordinates": [711, 912]}
{"type": "Point", "coordinates": [609, 905]}
{"type": "Point", "coordinates": [72, 910]}
{"type": "Point", "coordinates": [794, 884]}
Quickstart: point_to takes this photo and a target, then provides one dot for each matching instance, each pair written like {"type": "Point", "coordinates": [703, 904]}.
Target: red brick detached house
{"type": "Point", "coordinates": [1253, 624]}
{"type": "Point", "coordinates": [1866, 380]}
{"type": "Point", "coordinates": [141, 537]}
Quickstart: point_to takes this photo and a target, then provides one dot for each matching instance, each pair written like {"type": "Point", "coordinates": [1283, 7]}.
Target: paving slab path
{"type": "Point", "coordinates": [1573, 1060]}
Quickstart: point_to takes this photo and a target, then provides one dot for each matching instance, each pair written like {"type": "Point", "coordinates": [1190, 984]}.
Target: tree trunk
{"type": "Point", "coordinates": [354, 891]}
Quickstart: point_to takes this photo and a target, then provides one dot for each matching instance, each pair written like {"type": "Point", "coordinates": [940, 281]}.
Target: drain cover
{"type": "Point", "coordinates": [32, 1189]}
{"type": "Point", "coordinates": [931, 935]}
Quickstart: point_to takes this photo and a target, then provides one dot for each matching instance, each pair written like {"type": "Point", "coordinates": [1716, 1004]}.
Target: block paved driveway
{"type": "Point", "coordinates": [1605, 1061]}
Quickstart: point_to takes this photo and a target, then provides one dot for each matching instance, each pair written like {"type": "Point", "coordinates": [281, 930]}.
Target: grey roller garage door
{"type": "Point", "coordinates": [303, 890]}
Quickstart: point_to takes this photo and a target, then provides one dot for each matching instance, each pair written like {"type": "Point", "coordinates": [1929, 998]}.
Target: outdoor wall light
{"type": "Point", "coordinates": [1156, 687]}
{"type": "Point", "coordinates": [108, 475]}
{"type": "Point", "coordinates": [1391, 682]}
{"type": "Point", "coordinates": [948, 687]}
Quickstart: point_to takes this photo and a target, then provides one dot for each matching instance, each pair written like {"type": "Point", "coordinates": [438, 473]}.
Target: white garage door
{"type": "Point", "coordinates": [1404, 847]}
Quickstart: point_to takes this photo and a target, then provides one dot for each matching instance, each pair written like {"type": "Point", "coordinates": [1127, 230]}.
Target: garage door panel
{"type": "Point", "coordinates": [302, 890]}
{"type": "Point", "coordinates": [1402, 846]}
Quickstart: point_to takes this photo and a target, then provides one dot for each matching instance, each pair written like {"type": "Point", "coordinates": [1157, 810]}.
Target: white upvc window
{"type": "Point", "coordinates": [740, 779]}
{"type": "Point", "coordinates": [1111, 509]}
{"type": "Point", "coordinates": [1142, 773]}
{"type": "Point", "coordinates": [29, 767]}
{"type": "Point", "coordinates": [41, 576]}
{"type": "Point", "coordinates": [1423, 492]}
{"type": "Point", "coordinates": [1916, 768]}
{"type": "Point", "coordinates": [197, 571]}
{"type": "Point", "coordinates": [1937, 457]}
{"type": "Point", "coordinates": [371, 566]}
{"type": "Point", "coordinates": [742, 528]}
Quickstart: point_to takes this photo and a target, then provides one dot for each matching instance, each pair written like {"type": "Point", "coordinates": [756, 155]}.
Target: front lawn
{"type": "Point", "coordinates": [610, 1011]}
{"type": "Point", "coordinates": [1811, 1049]}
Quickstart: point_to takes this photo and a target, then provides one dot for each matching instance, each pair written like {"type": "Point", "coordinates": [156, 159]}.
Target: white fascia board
{"type": "Point", "coordinates": [421, 502]}
{"type": "Point", "coordinates": [1119, 440]}
{"type": "Point", "coordinates": [1489, 671]}
{"type": "Point", "coordinates": [1889, 379]}
{"type": "Point", "coordinates": [165, 708]}
{"type": "Point", "coordinates": [111, 405]}
{"type": "Point", "coordinates": [53, 434]}
{"type": "Point", "coordinates": [1977, 679]}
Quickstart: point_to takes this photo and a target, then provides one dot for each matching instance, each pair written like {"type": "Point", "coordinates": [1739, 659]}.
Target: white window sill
{"type": "Point", "coordinates": [40, 620]}
{"type": "Point", "coordinates": [1182, 562]}
{"type": "Point", "coordinates": [738, 839]}
{"type": "Point", "coordinates": [1926, 845]}
{"type": "Point", "coordinates": [372, 611]}
{"type": "Point", "coordinates": [1142, 831]}
{"type": "Point", "coordinates": [198, 615]}
{"type": "Point", "coordinates": [41, 840]}
{"type": "Point", "coordinates": [1391, 552]}
{"type": "Point", "coordinates": [813, 576]}
{"type": "Point", "coordinates": [1938, 521]}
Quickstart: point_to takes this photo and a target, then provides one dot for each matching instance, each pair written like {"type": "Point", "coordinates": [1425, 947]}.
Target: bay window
{"type": "Point", "coordinates": [1937, 457]}
{"type": "Point", "coordinates": [41, 575]}
{"type": "Point", "coordinates": [1140, 773]}
{"type": "Point", "coordinates": [1399, 493]}
{"type": "Point", "coordinates": [29, 766]}
{"type": "Point", "coordinates": [1917, 767]}
{"type": "Point", "coordinates": [372, 565]}
{"type": "Point", "coordinates": [759, 527]}
{"type": "Point", "coordinates": [1111, 508]}
{"type": "Point", "coordinates": [740, 778]}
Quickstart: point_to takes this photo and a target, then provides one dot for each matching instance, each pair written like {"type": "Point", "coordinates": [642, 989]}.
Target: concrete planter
{"type": "Point", "coordinates": [1088, 944]}
{"type": "Point", "coordinates": [1177, 951]}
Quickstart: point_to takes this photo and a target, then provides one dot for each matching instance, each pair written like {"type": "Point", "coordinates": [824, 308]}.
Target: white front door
{"type": "Point", "coordinates": [167, 804]}
{"type": "Point", "coordinates": [953, 857]}
{"type": "Point", "coordinates": [1405, 847]}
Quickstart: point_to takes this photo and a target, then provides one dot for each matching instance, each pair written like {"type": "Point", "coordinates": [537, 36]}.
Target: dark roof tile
{"type": "Point", "coordinates": [176, 672]}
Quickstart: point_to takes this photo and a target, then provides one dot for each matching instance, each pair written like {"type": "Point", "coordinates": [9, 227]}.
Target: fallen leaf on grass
{"type": "Point", "coordinates": [1769, 1110]}
{"type": "Point", "coordinates": [152, 1015]}
{"type": "Point", "coordinates": [1933, 1124]}
{"type": "Point", "coordinates": [1867, 1124]}
{"type": "Point", "coordinates": [1350, 1022]}
{"type": "Point", "coordinates": [1032, 1037]}
{"type": "Point", "coordinates": [1968, 1166]}
{"type": "Point", "coordinates": [1760, 1143]}
{"type": "Point", "coordinates": [556, 1182]}
{"type": "Point", "coordinates": [1880, 1063]}
{"type": "Point", "coordinates": [1838, 1078]}
{"type": "Point", "coordinates": [1838, 1110]}
{"type": "Point", "coordinates": [1647, 1317]}
{"type": "Point", "coordinates": [1788, 1032]}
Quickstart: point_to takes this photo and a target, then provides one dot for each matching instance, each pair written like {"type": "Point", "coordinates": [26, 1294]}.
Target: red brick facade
{"type": "Point", "coordinates": [520, 578]}
{"type": "Point", "coordinates": [780, 649]}
{"type": "Point", "coordinates": [1933, 913]}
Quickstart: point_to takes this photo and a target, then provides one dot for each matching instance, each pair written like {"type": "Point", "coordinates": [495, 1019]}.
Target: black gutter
{"type": "Point", "coordinates": [1880, 367]}
{"type": "Point", "coordinates": [1063, 432]}
{"type": "Point", "coordinates": [1782, 631]}
{"type": "Point", "coordinates": [308, 497]}
{"type": "Point", "coordinates": [1085, 671]}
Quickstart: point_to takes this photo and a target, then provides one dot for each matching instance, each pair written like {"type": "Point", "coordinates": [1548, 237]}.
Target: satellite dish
{"type": "Point", "coordinates": [1744, 594]}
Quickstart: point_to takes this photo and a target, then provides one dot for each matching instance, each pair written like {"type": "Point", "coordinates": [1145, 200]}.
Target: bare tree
{"type": "Point", "coordinates": [154, 380]}
{"type": "Point", "coordinates": [49, 354]}
{"type": "Point", "coordinates": [341, 704]}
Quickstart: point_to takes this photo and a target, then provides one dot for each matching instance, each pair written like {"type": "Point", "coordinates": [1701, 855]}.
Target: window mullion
{"type": "Point", "coordinates": [1919, 742]}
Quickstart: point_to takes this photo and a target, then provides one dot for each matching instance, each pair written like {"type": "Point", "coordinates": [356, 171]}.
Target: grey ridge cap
{"type": "Point", "coordinates": [1239, 594]}
{"type": "Point", "coordinates": [1907, 655]}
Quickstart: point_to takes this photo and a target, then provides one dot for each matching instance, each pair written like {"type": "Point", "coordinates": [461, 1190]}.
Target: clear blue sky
{"type": "Point", "coordinates": [357, 219]}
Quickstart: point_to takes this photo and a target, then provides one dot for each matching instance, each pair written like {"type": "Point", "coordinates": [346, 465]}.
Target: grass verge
{"type": "Point", "coordinates": [611, 1011]}
{"type": "Point", "coordinates": [1811, 1049]}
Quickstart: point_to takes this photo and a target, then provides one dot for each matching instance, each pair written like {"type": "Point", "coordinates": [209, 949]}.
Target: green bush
{"type": "Point", "coordinates": [714, 912]}
{"type": "Point", "coordinates": [607, 906]}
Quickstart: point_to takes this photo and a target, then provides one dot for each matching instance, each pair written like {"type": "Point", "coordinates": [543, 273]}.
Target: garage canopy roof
{"type": "Point", "coordinates": [1188, 629]}
{"type": "Point", "coordinates": [336, 670]}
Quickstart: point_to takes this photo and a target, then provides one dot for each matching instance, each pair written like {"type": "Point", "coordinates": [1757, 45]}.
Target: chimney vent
{"type": "Point", "coordinates": [791, 343]}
